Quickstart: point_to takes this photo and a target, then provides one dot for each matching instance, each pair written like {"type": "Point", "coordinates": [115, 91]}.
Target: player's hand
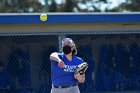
{"type": "Point", "coordinates": [61, 64]}
{"type": "Point", "coordinates": [81, 78]}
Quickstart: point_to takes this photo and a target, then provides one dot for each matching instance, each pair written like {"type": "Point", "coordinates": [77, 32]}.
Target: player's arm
{"type": "Point", "coordinates": [80, 72]}
{"type": "Point", "coordinates": [81, 78]}
{"type": "Point", "coordinates": [54, 56]}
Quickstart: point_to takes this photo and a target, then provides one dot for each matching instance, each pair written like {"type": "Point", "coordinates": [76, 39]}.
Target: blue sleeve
{"type": "Point", "coordinates": [60, 55]}
{"type": "Point", "coordinates": [81, 60]}
{"type": "Point", "coordinates": [53, 62]}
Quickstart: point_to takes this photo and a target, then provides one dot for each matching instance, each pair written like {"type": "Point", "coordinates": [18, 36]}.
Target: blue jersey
{"type": "Point", "coordinates": [65, 76]}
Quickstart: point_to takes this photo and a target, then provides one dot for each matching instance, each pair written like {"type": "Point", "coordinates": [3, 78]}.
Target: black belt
{"type": "Point", "coordinates": [63, 86]}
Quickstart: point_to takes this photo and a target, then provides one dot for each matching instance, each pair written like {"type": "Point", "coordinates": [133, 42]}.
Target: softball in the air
{"type": "Point", "coordinates": [43, 17]}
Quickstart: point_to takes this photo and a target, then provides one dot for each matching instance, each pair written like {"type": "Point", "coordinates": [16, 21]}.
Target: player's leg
{"type": "Point", "coordinates": [59, 90]}
{"type": "Point", "coordinates": [74, 89]}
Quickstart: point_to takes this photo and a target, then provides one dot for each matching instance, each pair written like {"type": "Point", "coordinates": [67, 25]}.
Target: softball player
{"type": "Point", "coordinates": [63, 68]}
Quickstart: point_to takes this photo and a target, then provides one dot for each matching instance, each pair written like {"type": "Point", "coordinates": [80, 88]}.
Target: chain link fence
{"type": "Point", "coordinates": [114, 62]}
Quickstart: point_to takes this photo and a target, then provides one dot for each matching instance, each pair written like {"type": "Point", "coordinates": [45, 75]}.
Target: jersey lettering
{"type": "Point", "coordinates": [69, 68]}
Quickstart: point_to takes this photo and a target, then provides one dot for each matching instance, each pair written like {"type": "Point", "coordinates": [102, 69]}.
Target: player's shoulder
{"type": "Point", "coordinates": [78, 58]}
{"type": "Point", "coordinates": [58, 53]}
{"type": "Point", "coordinates": [54, 54]}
